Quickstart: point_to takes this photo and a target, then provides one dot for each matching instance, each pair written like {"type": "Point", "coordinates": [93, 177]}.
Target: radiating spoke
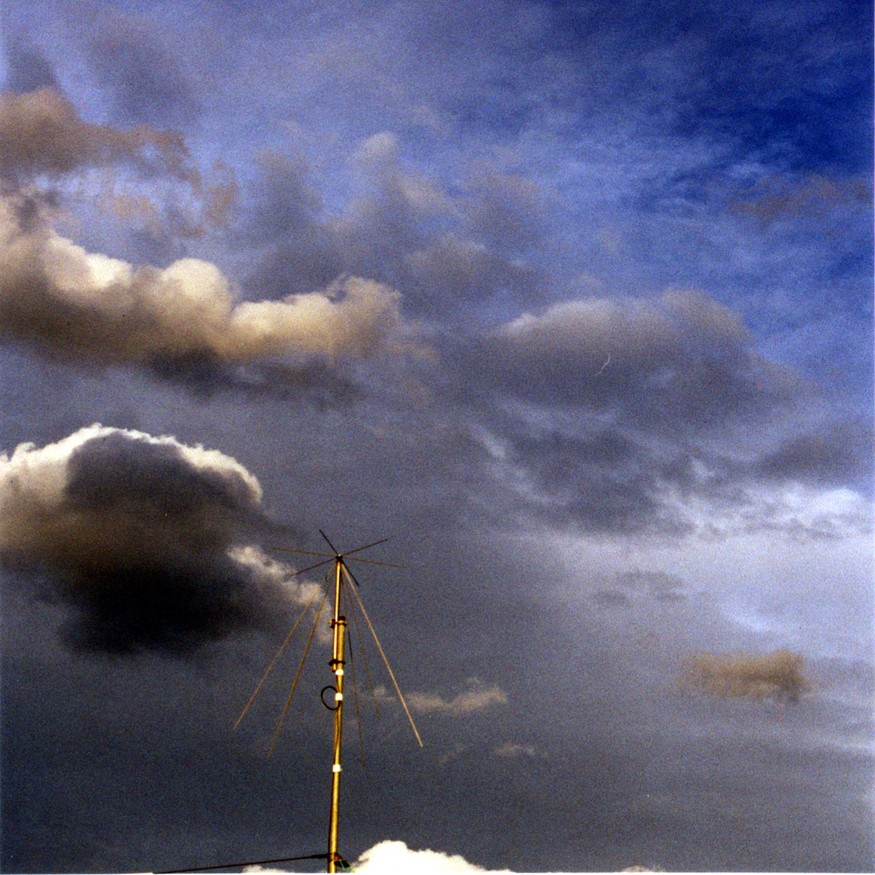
{"type": "Point", "coordinates": [327, 540]}
{"type": "Point", "coordinates": [366, 547]}
{"type": "Point", "coordinates": [311, 567]}
{"type": "Point", "coordinates": [303, 552]}
{"type": "Point", "coordinates": [374, 562]}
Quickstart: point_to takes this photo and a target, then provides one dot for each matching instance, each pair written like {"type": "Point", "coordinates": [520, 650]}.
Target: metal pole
{"type": "Point", "coordinates": [338, 625]}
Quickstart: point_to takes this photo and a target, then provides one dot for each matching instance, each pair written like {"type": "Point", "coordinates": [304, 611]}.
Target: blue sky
{"type": "Point", "coordinates": [572, 300]}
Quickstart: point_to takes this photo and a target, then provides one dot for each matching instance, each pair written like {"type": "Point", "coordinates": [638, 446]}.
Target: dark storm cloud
{"type": "Point", "coordinates": [603, 482]}
{"type": "Point", "coordinates": [524, 468]}
{"type": "Point", "coordinates": [748, 676]}
{"type": "Point", "coordinates": [146, 541]}
{"type": "Point", "coordinates": [657, 415]}
{"type": "Point", "coordinates": [318, 383]}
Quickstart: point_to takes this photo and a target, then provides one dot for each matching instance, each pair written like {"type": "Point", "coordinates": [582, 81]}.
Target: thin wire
{"type": "Point", "coordinates": [355, 697]}
{"type": "Point", "coordinates": [240, 865]}
{"type": "Point", "coordinates": [305, 552]}
{"type": "Point", "coordinates": [355, 624]}
{"type": "Point", "coordinates": [309, 567]}
{"type": "Point", "coordinates": [388, 667]}
{"type": "Point", "coordinates": [279, 724]}
{"type": "Point", "coordinates": [273, 663]}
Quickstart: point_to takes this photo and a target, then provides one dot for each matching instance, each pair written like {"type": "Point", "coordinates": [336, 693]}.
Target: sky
{"type": "Point", "coordinates": [569, 301]}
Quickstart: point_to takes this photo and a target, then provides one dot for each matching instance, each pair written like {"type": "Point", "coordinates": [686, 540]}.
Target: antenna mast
{"type": "Point", "coordinates": [336, 663]}
{"type": "Point", "coordinates": [342, 576]}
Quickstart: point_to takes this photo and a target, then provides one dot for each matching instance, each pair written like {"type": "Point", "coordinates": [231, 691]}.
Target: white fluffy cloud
{"type": "Point", "coordinates": [515, 750]}
{"type": "Point", "coordinates": [394, 856]}
{"type": "Point", "coordinates": [92, 308]}
{"type": "Point", "coordinates": [478, 697]}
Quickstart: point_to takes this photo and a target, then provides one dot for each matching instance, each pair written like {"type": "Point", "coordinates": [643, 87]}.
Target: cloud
{"type": "Point", "coordinates": [463, 271]}
{"type": "Point", "coordinates": [92, 309]}
{"type": "Point", "coordinates": [814, 196]}
{"type": "Point", "coordinates": [657, 585]}
{"type": "Point", "coordinates": [514, 750]}
{"type": "Point", "coordinates": [447, 249]}
{"type": "Point", "coordinates": [283, 198]}
{"type": "Point", "coordinates": [391, 856]}
{"type": "Point", "coordinates": [660, 586]}
{"type": "Point", "coordinates": [145, 541]}
{"type": "Point", "coordinates": [777, 675]}
{"type": "Point", "coordinates": [41, 132]}
{"type": "Point", "coordinates": [834, 454]}
{"type": "Point", "coordinates": [130, 58]}
{"type": "Point", "coordinates": [394, 856]}
{"type": "Point", "coordinates": [611, 598]}
{"type": "Point", "coordinates": [29, 69]}
{"type": "Point", "coordinates": [659, 415]}
{"type": "Point", "coordinates": [679, 361]}
{"type": "Point", "coordinates": [507, 212]}
{"type": "Point", "coordinates": [478, 697]}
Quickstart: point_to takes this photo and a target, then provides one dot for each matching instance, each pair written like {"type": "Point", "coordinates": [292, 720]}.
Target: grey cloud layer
{"type": "Point", "coordinates": [464, 165]}
{"type": "Point", "coordinates": [445, 249]}
{"type": "Point", "coordinates": [627, 399]}
{"type": "Point", "coordinates": [680, 361]}
{"type": "Point", "coordinates": [630, 415]}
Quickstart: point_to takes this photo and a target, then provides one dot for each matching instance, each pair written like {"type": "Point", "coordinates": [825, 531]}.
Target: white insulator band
{"type": "Point", "coordinates": [338, 697]}
{"type": "Point", "coordinates": [339, 672]}
{"type": "Point", "coordinates": [335, 767]}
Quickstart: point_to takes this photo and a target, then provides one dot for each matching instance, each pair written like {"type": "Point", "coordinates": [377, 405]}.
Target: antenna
{"type": "Point", "coordinates": [343, 580]}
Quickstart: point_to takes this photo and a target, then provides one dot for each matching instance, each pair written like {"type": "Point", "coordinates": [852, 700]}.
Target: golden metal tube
{"type": "Point", "coordinates": [338, 625]}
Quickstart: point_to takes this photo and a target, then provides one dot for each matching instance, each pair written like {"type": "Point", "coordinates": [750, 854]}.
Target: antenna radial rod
{"type": "Point", "coordinates": [338, 626]}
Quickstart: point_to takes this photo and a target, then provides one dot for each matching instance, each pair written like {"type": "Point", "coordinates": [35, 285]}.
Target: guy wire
{"type": "Point", "coordinates": [355, 693]}
{"type": "Point", "coordinates": [388, 667]}
{"type": "Point", "coordinates": [364, 650]}
{"type": "Point", "coordinates": [273, 662]}
{"type": "Point", "coordinates": [297, 677]}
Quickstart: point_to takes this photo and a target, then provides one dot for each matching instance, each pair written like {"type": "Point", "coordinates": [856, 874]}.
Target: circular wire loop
{"type": "Point", "coordinates": [333, 707]}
